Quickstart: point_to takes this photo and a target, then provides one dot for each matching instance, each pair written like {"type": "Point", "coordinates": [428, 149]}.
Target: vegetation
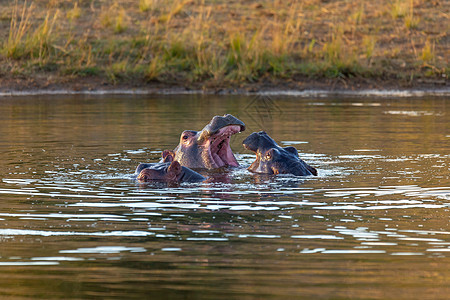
{"type": "Point", "coordinates": [220, 43]}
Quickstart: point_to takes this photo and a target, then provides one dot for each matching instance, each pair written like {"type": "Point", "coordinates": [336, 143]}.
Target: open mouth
{"type": "Point", "coordinates": [219, 148]}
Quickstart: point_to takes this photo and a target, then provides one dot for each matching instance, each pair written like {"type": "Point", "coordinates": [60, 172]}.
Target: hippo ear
{"type": "Point", "coordinates": [312, 170]}
{"type": "Point", "coordinates": [174, 168]}
{"type": "Point", "coordinates": [168, 156]}
{"type": "Point", "coordinates": [291, 149]}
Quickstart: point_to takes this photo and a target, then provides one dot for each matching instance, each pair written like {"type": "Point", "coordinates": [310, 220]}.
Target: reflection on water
{"type": "Point", "coordinates": [74, 224]}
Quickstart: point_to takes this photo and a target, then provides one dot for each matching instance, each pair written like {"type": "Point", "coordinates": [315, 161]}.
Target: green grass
{"type": "Point", "coordinates": [24, 42]}
{"type": "Point", "coordinates": [146, 5]}
{"type": "Point", "coordinates": [220, 43]}
{"type": "Point", "coordinates": [74, 13]}
{"type": "Point", "coordinates": [19, 28]}
{"type": "Point", "coordinates": [398, 9]}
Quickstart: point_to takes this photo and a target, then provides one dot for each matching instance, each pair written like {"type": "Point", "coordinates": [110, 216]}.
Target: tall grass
{"type": "Point", "coordinates": [339, 58]}
{"type": "Point", "coordinates": [25, 42]}
{"type": "Point", "coordinates": [114, 17]}
{"type": "Point", "coordinates": [74, 13]}
{"type": "Point", "coordinates": [147, 5]}
{"type": "Point", "coordinates": [41, 42]}
{"type": "Point", "coordinates": [176, 7]}
{"type": "Point", "coordinates": [398, 9]}
{"type": "Point", "coordinates": [19, 28]}
{"type": "Point", "coordinates": [200, 41]}
{"type": "Point", "coordinates": [369, 43]}
{"type": "Point", "coordinates": [428, 52]}
{"type": "Point", "coordinates": [411, 20]}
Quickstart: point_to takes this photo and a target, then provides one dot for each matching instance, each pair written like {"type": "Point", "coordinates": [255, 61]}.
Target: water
{"type": "Point", "coordinates": [373, 225]}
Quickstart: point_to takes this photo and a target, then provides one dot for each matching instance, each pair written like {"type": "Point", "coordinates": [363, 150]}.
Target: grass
{"type": "Point", "coordinates": [411, 21]}
{"type": "Point", "coordinates": [428, 53]}
{"type": "Point", "coordinates": [74, 13]}
{"type": "Point", "coordinates": [398, 9]}
{"type": "Point", "coordinates": [24, 42]}
{"type": "Point", "coordinates": [19, 27]}
{"type": "Point", "coordinates": [146, 5]}
{"type": "Point", "coordinates": [223, 43]}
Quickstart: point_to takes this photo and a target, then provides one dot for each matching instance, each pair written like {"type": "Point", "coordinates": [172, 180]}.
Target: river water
{"type": "Point", "coordinates": [373, 225]}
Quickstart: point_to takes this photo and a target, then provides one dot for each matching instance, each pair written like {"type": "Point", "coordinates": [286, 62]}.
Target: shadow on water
{"type": "Point", "coordinates": [373, 223]}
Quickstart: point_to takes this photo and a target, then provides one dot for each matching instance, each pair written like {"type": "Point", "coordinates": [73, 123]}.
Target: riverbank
{"type": "Point", "coordinates": [223, 46]}
{"type": "Point", "coordinates": [299, 89]}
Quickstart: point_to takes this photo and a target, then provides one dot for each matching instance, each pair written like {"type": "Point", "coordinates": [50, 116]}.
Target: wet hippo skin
{"type": "Point", "coordinates": [169, 171]}
{"type": "Point", "coordinates": [208, 148]}
{"type": "Point", "coordinates": [273, 159]}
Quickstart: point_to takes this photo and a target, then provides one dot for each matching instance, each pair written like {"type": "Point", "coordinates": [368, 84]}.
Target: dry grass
{"type": "Point", "coordinates": [225, 42]}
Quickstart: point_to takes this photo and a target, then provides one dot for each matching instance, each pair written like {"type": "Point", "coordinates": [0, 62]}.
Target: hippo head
{"type": "Point", "coordinates": [210, 147]}
{"type": "Point", "coordinates": [273, 159]}
{"type": "Point", "coordinates": [169, 171]}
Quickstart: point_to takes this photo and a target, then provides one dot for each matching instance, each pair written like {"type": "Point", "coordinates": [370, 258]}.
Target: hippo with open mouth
{"type": "Point", "coordinates": [169, 171]}
{"type": "Point", "coordinates": [208, 148]}
{"type": "Point", "coordinates": [273, 159]}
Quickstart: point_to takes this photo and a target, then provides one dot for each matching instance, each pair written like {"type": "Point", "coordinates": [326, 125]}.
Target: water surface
{"type": "Point", "coordinates": [373, 225]}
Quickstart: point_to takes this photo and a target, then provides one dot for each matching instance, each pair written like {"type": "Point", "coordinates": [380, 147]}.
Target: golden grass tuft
{"type": "Point", "coordinates": [19, 28]}
{"type": "Point", "coordinates": [411, 20]}
{"type": "Point", "coordinates": [23, 42]}
{"type": "Point", "coordinates": [428, 53]}
{"type": "Point", "coordinates": [369, 43]}
{"type": "Point", "coordinates": [148, 5]}
{"type": "Point", "coordinates": [398, 9]}
{"type": "Point", "coordinates": [74, 13]}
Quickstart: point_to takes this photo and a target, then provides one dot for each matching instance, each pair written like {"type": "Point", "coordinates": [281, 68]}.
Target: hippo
{"type": "Point", "coordinates": [208, 148]}
{"type": "Point", "coordinates": [273, 159]}
{"type": "Point", "coordinates": [169, 171]}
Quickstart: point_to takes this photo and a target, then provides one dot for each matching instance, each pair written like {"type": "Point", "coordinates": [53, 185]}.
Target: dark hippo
{"type": "Point", "coordinates": [208, 148]}
{"type": "Point", "coordinates": [169, 171]}
{"type": "Point", "coordinates": [273, 159]}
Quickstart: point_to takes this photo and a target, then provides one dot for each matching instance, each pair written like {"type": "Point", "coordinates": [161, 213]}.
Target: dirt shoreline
{"type": "Point", "coordinates": [305, 87]}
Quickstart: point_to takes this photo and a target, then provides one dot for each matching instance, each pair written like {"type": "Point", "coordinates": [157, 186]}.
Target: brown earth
{"type": "Point", "coordinates": [83, 84]}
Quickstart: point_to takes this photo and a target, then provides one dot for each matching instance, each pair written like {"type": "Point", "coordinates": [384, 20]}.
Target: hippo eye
{"type": "Point", "coordinates": [271, 154]}
{"type": "Point", "coordinates": [185, 137]}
